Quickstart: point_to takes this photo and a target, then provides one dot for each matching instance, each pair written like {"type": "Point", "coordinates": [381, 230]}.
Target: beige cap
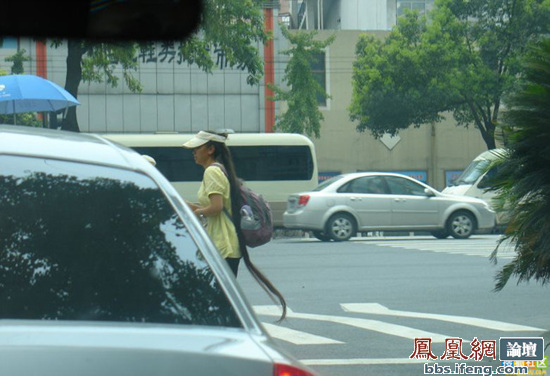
{"type": "Point", "coordinates": [202, 138]}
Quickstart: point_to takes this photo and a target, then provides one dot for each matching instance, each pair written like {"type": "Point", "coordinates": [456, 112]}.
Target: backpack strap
{"type": "Point", "coordinates": [222, 167]}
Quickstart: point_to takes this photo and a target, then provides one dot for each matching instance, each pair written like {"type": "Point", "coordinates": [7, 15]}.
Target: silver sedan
{"type": "Point", "coordinates": [340, 207]}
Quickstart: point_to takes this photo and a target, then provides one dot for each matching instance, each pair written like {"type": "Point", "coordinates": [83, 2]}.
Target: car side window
{"type": "Point", "coordinates": [346, 188]}
{"type": "Point", "coordinates": [88, 242]}
{"type": "Point", "coordinates": [365, 185]}
{"type": "Point", "coordinates": [376, 185]}
{"type": "Point", "coordinates": [403, 186]}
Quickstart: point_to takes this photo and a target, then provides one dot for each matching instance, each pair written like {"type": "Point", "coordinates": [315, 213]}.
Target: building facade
{"type": "Point", "coordinates": [347, 14]}
{"type": "Point", "coordinates": [433, 153]}
{"type": "Point", "coordinates": [178, 97]}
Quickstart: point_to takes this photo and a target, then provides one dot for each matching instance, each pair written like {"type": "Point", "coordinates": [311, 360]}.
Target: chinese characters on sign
{"type": "Point", "coordinates": [521, 348]}
{"type": "Point", "coordinates": [515, 350]}
{"type": "Point", "coordinates": [170, 52]}
{"type": "Point", "coordinates": [423, 349]}
{"type": "Point", "coordinates": [453, 349]}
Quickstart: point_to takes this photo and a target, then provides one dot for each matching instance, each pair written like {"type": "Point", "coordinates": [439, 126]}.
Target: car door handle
{"type": "Point", "coordinates": [355, 198]}
{"type": "Point", "coordinates": [399, 200]}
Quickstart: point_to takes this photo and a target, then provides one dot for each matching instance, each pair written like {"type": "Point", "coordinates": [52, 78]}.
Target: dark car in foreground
{"type": "Point", "coordinates": [370, 201]}
{"type": "Point", "coordinates": [105, 271]}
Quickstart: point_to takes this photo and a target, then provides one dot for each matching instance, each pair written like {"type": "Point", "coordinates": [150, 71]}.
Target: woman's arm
{"type": "Point", "coordinates": [212, 210]}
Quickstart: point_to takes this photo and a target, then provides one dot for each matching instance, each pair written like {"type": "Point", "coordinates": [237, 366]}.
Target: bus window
{"type": "Point", "coordinates": [175, 163]}
{"type": "Point", "coordinates": [255, 163]}
{"type": "Point", "coordinates": [252, 163]}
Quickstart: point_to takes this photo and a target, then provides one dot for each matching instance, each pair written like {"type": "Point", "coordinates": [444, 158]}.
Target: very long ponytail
{"type": "Point", "coordinates": [223, 155]}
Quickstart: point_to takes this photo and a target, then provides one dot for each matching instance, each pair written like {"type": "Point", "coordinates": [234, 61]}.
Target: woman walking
{"type": "Point", "coordinates": [219, 202]}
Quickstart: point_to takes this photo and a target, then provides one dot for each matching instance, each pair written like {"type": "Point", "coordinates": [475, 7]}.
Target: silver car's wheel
{"type": "Point", "coordinates": [321, 236]}
{"type": "Point", "coordinates": [341, 227]}
{"type": "Point", "coordinates": [461, 225]}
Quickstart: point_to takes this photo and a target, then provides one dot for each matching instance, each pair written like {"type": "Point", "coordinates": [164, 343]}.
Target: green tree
{"type": "Point", "coordinates": [523, 180]}
{"type": "Point", "coordinates": [462, 60]}
{"type": "Point", "coordinates": [91, 61]}
{"type": "Point", "coordinates": [17, 59]}
{"type": "Point", "coordinates": [302, 115]}
{"type": "Point", "coordinates": [234, 26]}
{"type": "Point", "coordinates": [26, 118]}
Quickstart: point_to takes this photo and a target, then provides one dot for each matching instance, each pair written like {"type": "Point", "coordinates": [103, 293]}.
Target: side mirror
{"type": "Point", "coordinates": [429, 192]}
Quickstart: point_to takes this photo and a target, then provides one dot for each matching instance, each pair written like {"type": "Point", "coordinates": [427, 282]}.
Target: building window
{"type": "Point", "coordinates": [319, 72]}
{"type": "Point", "coordinates": [422, 6]}
{"type": "Point", "coordinates": [286, 20]}
{"type": "Point", "coordinates": [8, 42]}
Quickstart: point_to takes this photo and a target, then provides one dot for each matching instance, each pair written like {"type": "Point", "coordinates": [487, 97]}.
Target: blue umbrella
{"type": "Point", "coordinates": [28, 93]}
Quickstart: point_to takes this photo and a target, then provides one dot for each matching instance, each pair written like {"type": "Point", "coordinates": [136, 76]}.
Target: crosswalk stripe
{"type": "Point", "coordinates": [373, 325]}
{"type": "Point", "coordinates": [482, 247]}
{"type": "Point", "coordinates": [378, 309]}
{"type": "Point", "coordinates": [303, 338]}
{"type": "Point", "coordinates": [298, 337]}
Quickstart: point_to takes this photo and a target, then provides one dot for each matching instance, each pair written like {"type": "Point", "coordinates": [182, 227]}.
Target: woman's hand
{"type": "Point", "coordinates": [199, 212]}
{"type": "Point", "coordinates": [192, 206]}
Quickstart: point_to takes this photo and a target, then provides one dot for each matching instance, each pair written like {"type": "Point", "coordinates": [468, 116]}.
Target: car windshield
{"type": "Point", "coordinates": [472, 172]}
{"type": "Point", "coordinates": [86, 242]}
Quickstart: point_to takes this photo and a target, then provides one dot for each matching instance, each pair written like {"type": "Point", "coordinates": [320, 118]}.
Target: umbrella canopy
{"type": "Point", "coordinates": [28, 93]}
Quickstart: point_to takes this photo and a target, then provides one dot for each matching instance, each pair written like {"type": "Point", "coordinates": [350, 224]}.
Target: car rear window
{"type": "Point", "coordinates": [327, 182]}
{"type": "Point", "coordinates": [87, 242]}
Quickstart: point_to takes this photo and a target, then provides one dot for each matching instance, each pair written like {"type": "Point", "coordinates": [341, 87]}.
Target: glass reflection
{"type": "Point", "coordinates": [84, 242]}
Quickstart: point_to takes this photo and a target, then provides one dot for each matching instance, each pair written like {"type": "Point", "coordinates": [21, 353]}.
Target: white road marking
{"type": "Point", "coordinates": [378, 309]}
{"type": "Point", "coordinates": [298, 337]}
{"type": "Point", "coordinates": [271, 310]}
{"type": "Point", "coordinates": [480, 247]}
{"type": "Point", "coordinates": [360, 361]}
{"type": "Point", "coordinates": [374, 325]}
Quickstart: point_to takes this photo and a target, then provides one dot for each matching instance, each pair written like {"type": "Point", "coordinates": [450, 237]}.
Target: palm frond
{"type": "Point", "coordinates": [523, 179]}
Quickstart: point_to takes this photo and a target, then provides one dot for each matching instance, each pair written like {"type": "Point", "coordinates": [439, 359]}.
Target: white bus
{"type": "Point", "coordinates": [474, 179]}
{"type": "Point", "coordinates": [272, 164]}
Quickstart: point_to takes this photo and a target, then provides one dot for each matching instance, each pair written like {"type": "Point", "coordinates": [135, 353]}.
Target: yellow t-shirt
{"type": "Point", "coordinates": [220, 228]}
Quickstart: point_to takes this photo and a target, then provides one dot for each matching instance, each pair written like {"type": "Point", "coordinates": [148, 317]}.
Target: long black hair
{"type": "Point", "coordinates": [223, 156]}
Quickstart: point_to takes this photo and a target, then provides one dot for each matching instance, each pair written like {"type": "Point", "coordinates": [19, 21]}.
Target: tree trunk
{"type": "Point", "coordinates": [72, 81]}
{"type": "Point", "coordinates": [488, 134]}
{"type": "Point", "coordinates": [483, 123]}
